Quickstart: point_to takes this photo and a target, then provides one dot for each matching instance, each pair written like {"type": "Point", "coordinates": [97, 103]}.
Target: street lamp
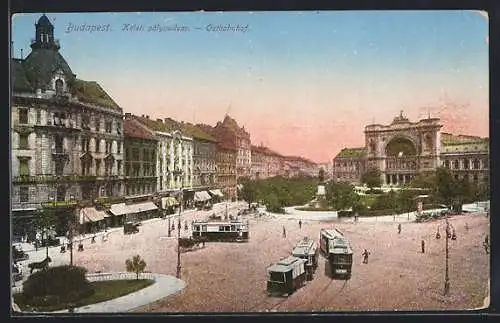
{"type": "Point", "coordinates": [179, 172]}
{"type": "Point", "coordinates": [446, 275]}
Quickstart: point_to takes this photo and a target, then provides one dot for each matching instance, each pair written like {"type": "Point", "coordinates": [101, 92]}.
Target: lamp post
{"type": "Point", "coordinates": [446, 275]}
{"type": "Point", "coordinates": [169, 230]}
{"type": "Point", "coordinates": [179, 172]}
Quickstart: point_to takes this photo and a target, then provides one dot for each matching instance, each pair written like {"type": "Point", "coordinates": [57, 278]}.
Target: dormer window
{"type": "Point", "coordinates": [59, 86]}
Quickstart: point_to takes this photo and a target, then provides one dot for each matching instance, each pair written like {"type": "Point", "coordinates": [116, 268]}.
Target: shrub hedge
{"type": "Point", "coordinates": [61, 284]}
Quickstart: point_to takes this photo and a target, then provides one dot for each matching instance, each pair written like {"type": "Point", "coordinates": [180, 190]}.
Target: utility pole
{"type": "Point", "coordinates": [446, 275]}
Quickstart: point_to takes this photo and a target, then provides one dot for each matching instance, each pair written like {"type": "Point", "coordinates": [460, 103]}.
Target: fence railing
{"type": "Point", "coordinates": [95, 277]}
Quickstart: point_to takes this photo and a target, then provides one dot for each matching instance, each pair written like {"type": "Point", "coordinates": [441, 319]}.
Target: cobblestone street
{"type": "Point", "coordinates": [232, 276]}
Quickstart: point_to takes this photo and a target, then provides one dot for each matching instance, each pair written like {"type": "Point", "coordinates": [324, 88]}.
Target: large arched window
{"type": "Point", "coordinates": [447, 164]}
{"type": "Point", "coordinates": [455, 164]}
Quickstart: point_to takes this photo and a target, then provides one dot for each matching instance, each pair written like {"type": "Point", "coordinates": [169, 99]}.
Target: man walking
{"type": "Point", "coordinates": [399, 228]}
{"type": "Point", "coordinates": [486, 244]}
{"type": "Point", "coordinates": [284, 232]}
{"type": "Point", "coordinates": [365, 255]}
{"type": "Point", "coordinates": [423, 246]}
{"type": "Point", "coordinates": [300, 224]}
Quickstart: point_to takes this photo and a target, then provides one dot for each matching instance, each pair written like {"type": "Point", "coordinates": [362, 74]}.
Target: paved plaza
{"type": "Point", "coordinates": [231, 277]}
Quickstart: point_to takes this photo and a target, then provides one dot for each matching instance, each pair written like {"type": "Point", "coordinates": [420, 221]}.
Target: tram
{"type": "Point", "coordinates": [221, 231]}
{"type": "Point", "coordinates": [337, 251]}
{"type": "Point", "coordinates": [286, 276]}
{"type": "Point", "coordinates": [307, 249]}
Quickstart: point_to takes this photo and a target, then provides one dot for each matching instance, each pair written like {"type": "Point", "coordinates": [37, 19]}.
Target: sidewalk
{"type": "Point", "coordinates": [163, 287]}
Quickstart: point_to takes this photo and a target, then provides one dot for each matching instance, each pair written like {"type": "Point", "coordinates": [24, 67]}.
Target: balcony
{"type": "Point", "coordinates": [401, 163]}
{"type": "Point", "coordinates": [59, 151]}
{"type": "Point", "coordinates": [59, 204]}
{"type": "Point", "coordinates": [51, 178]}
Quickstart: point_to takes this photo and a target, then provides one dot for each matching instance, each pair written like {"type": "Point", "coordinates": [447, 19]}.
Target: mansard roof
{"type": "Point", "coordinates": [133, 130]}
{"type": "Point", "coordinates": [357, 152]}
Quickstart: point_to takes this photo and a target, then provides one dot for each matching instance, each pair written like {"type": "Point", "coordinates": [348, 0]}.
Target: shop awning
{"type": "Point", "coordinates": [119, 209]}
{"type": "Point", "coordinates": [122, 208]}
{"type": "Point", "coordinates": [201, 196]}
{"type": "Point", "coordinates": [168, 202]}
{"type": "Point", "coordinates": [217, 192]}
{"type": "Point", "coordinates": [91, 214]}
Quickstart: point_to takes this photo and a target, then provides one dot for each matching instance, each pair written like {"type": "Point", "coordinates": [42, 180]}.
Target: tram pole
{"type": "Point", "coordinates": [179, 236]}
{"type": "Point", "coordinates": [446, 275]}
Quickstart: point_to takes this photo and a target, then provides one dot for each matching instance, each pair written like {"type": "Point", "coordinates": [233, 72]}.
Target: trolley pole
{"type": "Point", "coordinates": [169, 228]}
{"type": "Point", "coordinates": [446, 275]}
{"type": "Point", "coordinates": [179, 237]}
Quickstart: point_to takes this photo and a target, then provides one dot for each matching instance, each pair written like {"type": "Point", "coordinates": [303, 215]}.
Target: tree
{"type": "Point", "coordinates": [372, 177]}
{"type": "Point", "coordinates": [45, 222]}
{"type": "Point", "coordinates": [249, 192]}
{"type": "Point", "coordinates": [321, 175]}
{"type": "Point", "coordinates": [135, 265]}
{"type": "Point", "coordinates": [447, 188]}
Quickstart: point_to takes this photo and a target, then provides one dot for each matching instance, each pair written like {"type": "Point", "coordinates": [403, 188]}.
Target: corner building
{"type": "Point", "coordinates": [66, 137]}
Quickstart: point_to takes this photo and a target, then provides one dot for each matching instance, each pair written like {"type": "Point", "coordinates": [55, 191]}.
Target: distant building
{"type": "Point", "coordinates": [174, 164]}
{"type": "Point", "coordinates": [404, 149]}
{"type": "Point", "coordinates": [229, 131]}
{"type": "Point", "coordinates": [265, 163]}
{"type": "Point", "coordinates": [327, 168]}
{"type": "Point", "coordinates": [226, 170]}
{"type": "Point", "coordinates": [67, 137]}
{"type": "Point", "coordinates": [295, 166]}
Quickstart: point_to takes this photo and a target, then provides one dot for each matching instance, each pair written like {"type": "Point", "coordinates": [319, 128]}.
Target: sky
{"type": "Point", "coordinates": [302, 83]}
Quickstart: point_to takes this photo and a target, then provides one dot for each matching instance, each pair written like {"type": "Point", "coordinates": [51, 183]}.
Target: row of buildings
{"type": "Point", "coordinates": [403, 149]}
{"type": "Point", "coordinates": [76, 153]}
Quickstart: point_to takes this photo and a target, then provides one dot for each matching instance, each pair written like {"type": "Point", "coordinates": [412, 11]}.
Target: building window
{"type": "Point", "coordinates": [85, 145]}
{"type": "Point", "coordinates": [97, 167]}
{"type": "Point", "coordinates": [476, 164]}
{"type": "Point", "coordinates": [97, 145]}
{"type": "Point", "coordinates": [24, 194]}
{"type": "Point", "coordinates": [466, 164]}
{"type": "Point", "coordinates": [23, 116]}
{"type": "Point", "coordinates": [119, 128]}
{"type": "Point", "coordinates": [447, 164]}
{"type": "Point", "coordinates": [118, 147]}
{"type": "Point", "coordinates": [108, 126]}
{"type": "Point", "coordinates": [59, 86]}
{"type": "Point", "coordinates": [108, 147]}
{"type": "Point", "coordinates": [86, 122]}
{"type": "Point", "coordinates": [23, 141]}
{"type": "Point", "coordinates": [118, 167]}
{"type": "Point", "coordinates": [24, 167]}
{"type": "Point", "coordinates": [38, 116]}
{"type": "Point", "coordinates": [455, 164]}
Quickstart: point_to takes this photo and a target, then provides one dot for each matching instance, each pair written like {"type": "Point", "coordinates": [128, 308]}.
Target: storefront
{"type": "Point", "coordinates": [168, 204]}
{"type": "Point", "coordinates": [92, 220]}
{"type": "Point", "coordinates": [216, 195]}
{"type": "Point", "coordinates": [133, 212]}
{"type": "Point", "coordinates": [202, 199]}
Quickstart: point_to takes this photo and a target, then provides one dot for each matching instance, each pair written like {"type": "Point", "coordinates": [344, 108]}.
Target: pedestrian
{"type": "Point", "coordinates": [365, 255]}
{"type": "Point", "coordinates": [486, 244]}
{"type": "Point", "coordinates": [466, 226]}
{"type": "Point", "coordinates": [399, 228]}
{"type": "Point", "coordinates": [454, 235]}
{"type": "Point", "coordinates": [300, 224]}
{"type": "Point", "coordinates": [423, 246]}
{"type": "Point", "coordinates": [438, 235]}
{"type": "Point", "coordinates": [394, 218]}
{"type": "Point", "coordinates": [284, 232]}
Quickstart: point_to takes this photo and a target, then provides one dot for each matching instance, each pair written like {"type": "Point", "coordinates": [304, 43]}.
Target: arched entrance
{"type": "Point", "coordinates": [401, 161]}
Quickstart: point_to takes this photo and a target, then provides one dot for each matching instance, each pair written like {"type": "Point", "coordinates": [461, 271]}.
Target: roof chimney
{"type": "Point", "coordinates": [142, 115]}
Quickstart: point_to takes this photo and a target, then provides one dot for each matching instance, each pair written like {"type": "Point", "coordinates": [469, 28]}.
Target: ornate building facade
{"type": "Point", "coordinates": [404, 149]}
{"type": "Point", "coordinates": [67, 135]}
{"type": "Point", "coordinates": [265, 163]}
{"type": "Point", "coordinates": [226, 170]}
{"type": "Point", "coordinates": [140, 160]}
{"type": "Point", "coordinates": [174, 164]}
